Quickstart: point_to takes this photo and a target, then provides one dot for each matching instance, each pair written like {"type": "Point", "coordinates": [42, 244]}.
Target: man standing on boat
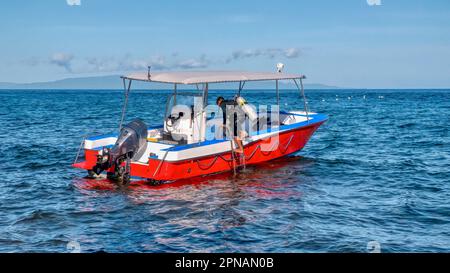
{"type": "Point", "coordinates": [231, 116]}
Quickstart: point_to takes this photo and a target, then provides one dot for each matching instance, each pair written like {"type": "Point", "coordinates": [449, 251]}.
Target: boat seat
{"type": "Point", "coordinates": [180, 138]}
{"type": "Point", "coordinates": [172, 138]}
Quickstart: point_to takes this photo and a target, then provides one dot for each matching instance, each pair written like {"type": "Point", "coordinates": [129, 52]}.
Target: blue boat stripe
{"type": "Point", "coordinates": [316, 118]}
{"type": "Point", "coordinates": [102, 136]}
{"type": "Point", "coordinates": [101, 147]}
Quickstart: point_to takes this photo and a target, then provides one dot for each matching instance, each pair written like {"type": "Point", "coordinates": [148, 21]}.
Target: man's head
{"type": "Point", "coordinates": [219, 100]}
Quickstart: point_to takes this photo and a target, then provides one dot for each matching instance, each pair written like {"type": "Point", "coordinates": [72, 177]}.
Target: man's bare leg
{"type": "Point", "coordinates": [240, 148]}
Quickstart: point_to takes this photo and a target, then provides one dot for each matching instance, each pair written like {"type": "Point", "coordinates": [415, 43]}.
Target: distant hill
{"type": "Point", "coordinates": [115, 82]}
{"type": "Point", "coordinates": [102, 82]}
{"type": "Point", "coordinates": [7, 85]}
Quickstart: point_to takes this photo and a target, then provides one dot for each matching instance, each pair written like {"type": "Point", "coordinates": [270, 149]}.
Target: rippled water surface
{"type": "Point", "coordinates": [378, 170]}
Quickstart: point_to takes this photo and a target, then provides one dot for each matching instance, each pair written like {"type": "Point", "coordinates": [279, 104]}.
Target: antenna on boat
{"type": "Point", "coordinates": [280, 67]}
{"type": "Point", "coordinates": [148, 73]}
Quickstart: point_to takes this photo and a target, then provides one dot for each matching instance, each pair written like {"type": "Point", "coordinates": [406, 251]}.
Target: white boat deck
{"type": "Point", "coordinates": [158, 149]}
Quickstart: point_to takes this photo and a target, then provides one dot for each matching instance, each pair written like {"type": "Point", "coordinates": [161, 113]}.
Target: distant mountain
{"type": "Point", "coordinates": [101, 82]}
{"type": "Point", "coordinates": [7, 85]}
{"type": "Point", "coordinates": [115, 82]}
{"type": "Point", "coordinates": [320, 86]}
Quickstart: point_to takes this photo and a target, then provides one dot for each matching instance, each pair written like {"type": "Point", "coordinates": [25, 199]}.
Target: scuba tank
{"type": "Point", "coordinates": [248, 110]}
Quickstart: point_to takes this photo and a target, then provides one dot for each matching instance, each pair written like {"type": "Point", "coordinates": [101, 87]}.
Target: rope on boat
{"type": "Point", "coordinates": [270, 150]}
{"type": "Point", "coordinates": [244, 158]}
{"type": "Point", "coordinates": [160, 164]}
{"type": "Point", "coordinates": [289, 143]}
{"type": "Point", "coordinates": [209, 166]}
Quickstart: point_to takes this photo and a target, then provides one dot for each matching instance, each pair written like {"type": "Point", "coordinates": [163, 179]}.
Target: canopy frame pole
{"type": "Point", "coordinates": [278, 93]}
{"type": "Point", "coordinates": [174, 94]}
{"type": "Point", "coordinates": [205, 94]}
{"type": "Point", "coordinates": [241, 87]}
{"type": "Point", "coordinates": [124, 108]}
{"type": "Point", "coordinates": [203, 120]}
{"type": "Point", "coordinates": [302, 90]}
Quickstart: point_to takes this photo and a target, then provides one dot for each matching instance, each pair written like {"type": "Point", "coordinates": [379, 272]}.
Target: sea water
{"type": "Point", "coordinates": [374, 177]}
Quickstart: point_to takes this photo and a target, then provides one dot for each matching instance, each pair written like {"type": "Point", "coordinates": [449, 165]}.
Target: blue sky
{"type": "Point", "coordinates": [348, 43]}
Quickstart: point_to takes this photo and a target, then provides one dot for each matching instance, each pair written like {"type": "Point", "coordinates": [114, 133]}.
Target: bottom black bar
{"type": "Point", "coordinates": [257, 262]}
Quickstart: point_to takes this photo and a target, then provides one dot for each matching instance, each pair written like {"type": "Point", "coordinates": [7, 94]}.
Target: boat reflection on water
{"type": "Point", "coordinates": [262, 178]}
{"type": "Point", "coordinates": [216, 202]}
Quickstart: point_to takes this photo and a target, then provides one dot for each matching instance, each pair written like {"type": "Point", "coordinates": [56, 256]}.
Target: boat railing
{"type": "Point", "coordinates": [79, 149]}
{"type": "Point", "coordinates": [83, 141]}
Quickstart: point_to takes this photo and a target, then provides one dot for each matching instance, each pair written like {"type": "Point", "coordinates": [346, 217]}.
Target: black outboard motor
{"type": "Point", "coordinates": [131, 144]}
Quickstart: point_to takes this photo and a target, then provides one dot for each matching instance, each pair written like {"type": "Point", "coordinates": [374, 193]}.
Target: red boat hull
{"type": "Point", "coordinates": [285, 143]}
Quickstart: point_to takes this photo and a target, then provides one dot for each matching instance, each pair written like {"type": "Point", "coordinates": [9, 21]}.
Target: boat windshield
{"type": "Point", "coordinates": [187, 99]}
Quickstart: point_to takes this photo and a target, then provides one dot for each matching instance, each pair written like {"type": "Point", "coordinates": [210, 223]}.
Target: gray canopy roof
{"type": "Point", "coordinates": [198, 77]}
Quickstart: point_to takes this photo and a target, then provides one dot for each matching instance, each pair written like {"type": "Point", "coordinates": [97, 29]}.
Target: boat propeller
{"type": "Point", "coordinates": [131, 144]}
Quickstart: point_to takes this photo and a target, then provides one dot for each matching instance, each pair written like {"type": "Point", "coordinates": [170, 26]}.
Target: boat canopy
{"type": "Point", "coordinates": [204, 77]}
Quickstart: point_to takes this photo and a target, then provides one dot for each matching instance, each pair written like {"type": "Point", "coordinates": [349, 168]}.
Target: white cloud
{"type": "Point", "coordinates": [290, 53]}
{"type": "Point", "coordinates": [63, 60]}
{"type": "Point", "coordinates": [73, 2]}
{"type": "Point", "coordinates": [374, 2]}
{"type": "Point", "coordinates": [202, 62]}
{"type": "Point", "coordinates": [158, 62]}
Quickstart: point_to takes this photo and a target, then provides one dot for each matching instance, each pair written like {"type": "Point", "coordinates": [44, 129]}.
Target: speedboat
{"type": "Point", "coordinates": [194, 138]}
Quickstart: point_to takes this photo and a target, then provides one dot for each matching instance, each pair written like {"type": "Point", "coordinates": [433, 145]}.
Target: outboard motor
{"type": "Point", "coordinates": [131, 144]}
